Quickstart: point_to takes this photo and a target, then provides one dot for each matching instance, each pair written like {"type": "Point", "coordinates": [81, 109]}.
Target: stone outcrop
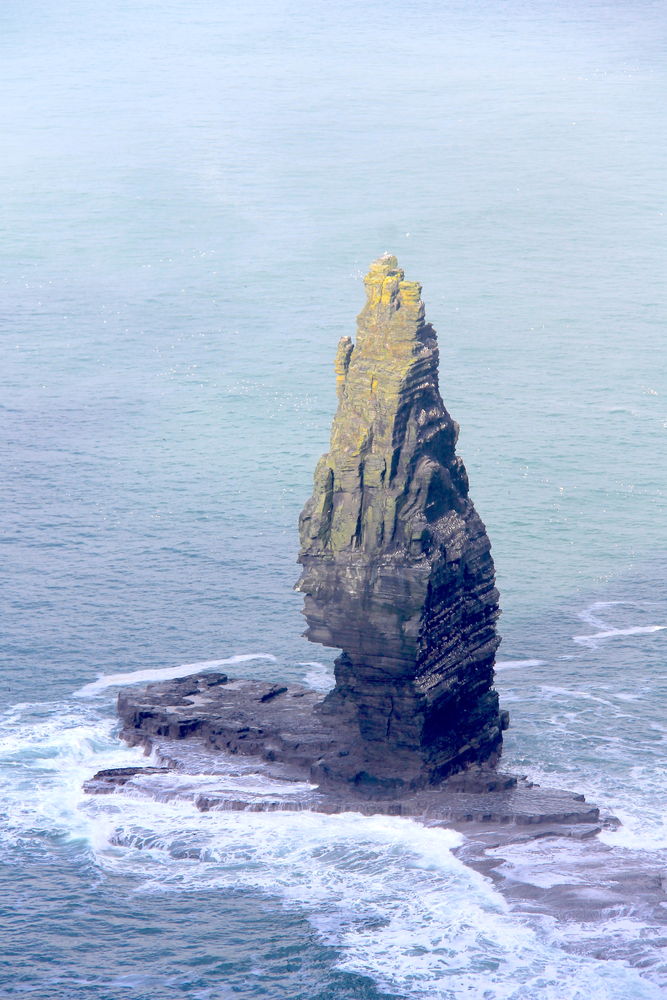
{"type": "Point", "coordinates": [397, 573]}
{"type": "Point", "coordinates": [281, 727]}
{"type": "Point", "coordinates": [397, 570]}
{"type": "Point", "coordinates": [235, 744]}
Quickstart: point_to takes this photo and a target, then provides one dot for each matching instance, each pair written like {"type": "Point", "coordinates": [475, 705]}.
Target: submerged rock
{"type": "Point", "coordinates": [397, 569]}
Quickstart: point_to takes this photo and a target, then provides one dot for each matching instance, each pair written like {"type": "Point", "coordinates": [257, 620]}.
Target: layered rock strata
{"type": "Point", "coordinates": [397, 573]}
{"type": "Point", "coordinates": [235, 744]}
{"type": "Point", "coordinates": [397, 569]}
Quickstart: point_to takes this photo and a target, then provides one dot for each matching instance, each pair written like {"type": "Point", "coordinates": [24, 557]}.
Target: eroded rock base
{"type": "Point", "coordinates": [252, 745]}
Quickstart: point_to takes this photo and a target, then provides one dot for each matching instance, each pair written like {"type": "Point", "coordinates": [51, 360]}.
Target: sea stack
{"type": "Point", "coordinates": [397, 573]}
{"type": "Point", "coordinates": [397, 568]}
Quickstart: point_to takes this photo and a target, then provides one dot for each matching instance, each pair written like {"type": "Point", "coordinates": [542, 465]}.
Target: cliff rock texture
{"type": "Point", "coordinates": [397, 570]}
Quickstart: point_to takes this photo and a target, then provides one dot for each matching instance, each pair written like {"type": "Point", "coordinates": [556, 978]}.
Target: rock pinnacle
{"type": "Point", "coordinates": [397, 569]}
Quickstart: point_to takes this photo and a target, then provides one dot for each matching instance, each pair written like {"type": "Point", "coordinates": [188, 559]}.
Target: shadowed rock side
{"type": "Point", "coordinates": [397, 573]}
{"type": "Point", "coordinates": [397, 570]}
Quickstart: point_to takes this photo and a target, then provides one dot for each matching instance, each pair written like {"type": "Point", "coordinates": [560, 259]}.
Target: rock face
{"type": "Point", "coordinates": [397, 573]}
{"type": "Point", "coordinates": [397, 570]}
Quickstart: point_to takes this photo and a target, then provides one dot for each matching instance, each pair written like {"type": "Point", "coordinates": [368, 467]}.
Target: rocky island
{"type": "Point", "coordinates": [397, 574]}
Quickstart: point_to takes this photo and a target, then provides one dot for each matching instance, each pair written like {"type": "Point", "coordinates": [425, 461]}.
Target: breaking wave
{"type": "Point", "coordinates": [164, 673]}
{"type": "Point", "coordinates": [606, 631]}
{"type": "Point", "coordinates": [386, 892]}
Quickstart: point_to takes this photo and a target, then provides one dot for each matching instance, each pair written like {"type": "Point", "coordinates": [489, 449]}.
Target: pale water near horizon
{"type": "Point", "coordinates": [192, 193]}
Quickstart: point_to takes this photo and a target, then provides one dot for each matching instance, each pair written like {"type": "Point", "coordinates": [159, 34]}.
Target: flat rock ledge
{"type": "Point", "coordinates": [231, 744]}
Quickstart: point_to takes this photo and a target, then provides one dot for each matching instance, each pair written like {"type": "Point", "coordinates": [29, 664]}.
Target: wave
{"type": "Point", "coordinates": [516, 664]}
{"type": "Point", "coordinates": [164, 673]}
{"type": "Point", "coordinates": [386, 892]}
{"type": "Point", "coordinates": [605, 630]}
{"type": "Point", "coordinates": [613, 633]}
{"type": "Point", "coordinates": [319, 677]}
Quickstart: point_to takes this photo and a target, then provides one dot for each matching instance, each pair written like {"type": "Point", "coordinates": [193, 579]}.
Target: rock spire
{"type": "Point", "coordinates": [397, 570]}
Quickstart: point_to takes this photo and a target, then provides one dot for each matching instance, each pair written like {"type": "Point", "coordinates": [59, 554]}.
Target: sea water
{"type": "Point", "coordinates": [191, 195]}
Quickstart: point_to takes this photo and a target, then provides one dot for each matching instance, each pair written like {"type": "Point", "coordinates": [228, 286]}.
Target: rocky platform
{"type": "Point", "coordinates": [226, 735]}
{"type": "Point", "coordinates": [242, 745]}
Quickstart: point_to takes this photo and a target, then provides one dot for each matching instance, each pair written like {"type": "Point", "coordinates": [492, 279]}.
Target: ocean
{"type": "Point", "coordinates": [192, 193]}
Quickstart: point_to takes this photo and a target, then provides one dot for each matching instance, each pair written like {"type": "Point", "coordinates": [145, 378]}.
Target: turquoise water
{"type": "Point", "coordinates": [192, 192]}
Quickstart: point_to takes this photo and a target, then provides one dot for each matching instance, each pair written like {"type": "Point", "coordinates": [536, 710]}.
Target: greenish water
{"type": "Point", "coordinates": [192, 193]}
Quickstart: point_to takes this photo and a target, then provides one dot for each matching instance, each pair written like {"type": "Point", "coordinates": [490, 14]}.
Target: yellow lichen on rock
{"type": "Point", "coordinates": [395, 355]}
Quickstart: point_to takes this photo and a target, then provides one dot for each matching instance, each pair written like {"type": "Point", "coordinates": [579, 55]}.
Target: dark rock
{"type": "Point", "coordinates": [274, 693]}
{"type": "Point", "coordinates": [286, 739]}
{"type": "Point", "coordinates": [111, 778]}
{"type": "Point", "coordinates": [241, 716]}
{"type": "Point", "coordinates": [397, 573]}
{"type": "Point", "coordinates": [397, 570]}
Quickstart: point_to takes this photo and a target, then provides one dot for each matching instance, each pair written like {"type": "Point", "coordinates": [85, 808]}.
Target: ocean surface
{"type": "Point", "coordinates": [191, 193]}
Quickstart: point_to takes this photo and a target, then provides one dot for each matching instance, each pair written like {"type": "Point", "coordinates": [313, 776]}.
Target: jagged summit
{"type": "Point", "coordinates": [397, 570]}
{"type": "Point", "coordinates": [387, 377]}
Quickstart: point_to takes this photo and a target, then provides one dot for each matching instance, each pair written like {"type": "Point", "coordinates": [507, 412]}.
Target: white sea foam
{"type": "Point", "coordinates": [643, 815]}
{"type": "Point", "coordinates": [241, 783]}
{"type": "Point", "coordinates": [605, 630]}
{"type": "Point", "coordinates": [43, 764]}
{"type": "Point", "coordinates": [319, 677]}
{"type": "Point", "coordinates": [546, 862]}
{"type": "Point", "coordinates": [386, 892]}
{"type": "Point", "coordinates": [517, 664]}
{"type": "Point", "coordinates": [164, 673]}
{"type": "Point", "coordinates": [591, 881]}
{"type": "Point", "coordinates": [590, 616]}
{"type": "Point", "coordinates": [568, 693]}
{"type": "Point", "coordinates": [615, 632]}
{"type": "Point", "coordinates": [638, 801]}
{"type": "Point", "coordinates": [634, 834]}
